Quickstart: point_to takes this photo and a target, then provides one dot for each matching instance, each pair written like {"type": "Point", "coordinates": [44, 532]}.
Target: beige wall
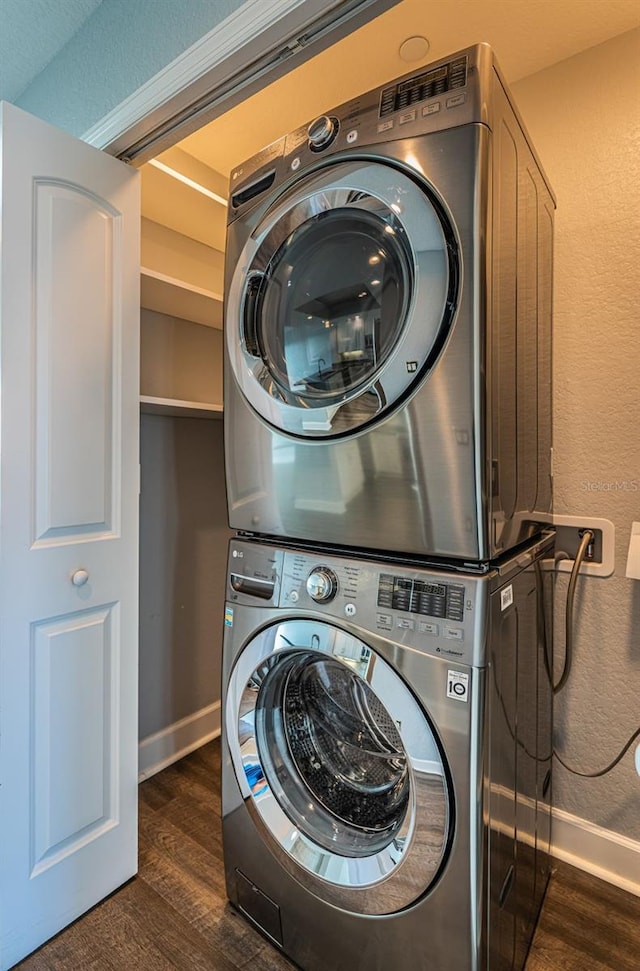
{"type": "Point", "coordinates": [583, 115]}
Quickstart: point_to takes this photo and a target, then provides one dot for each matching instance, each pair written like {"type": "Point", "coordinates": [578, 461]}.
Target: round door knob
{"type": "Point", "coordinates": [79, 578]}
{"type": "Point", "coordinates": [322, 131]}
{"type": "Point", "coordinates": [322, 584]}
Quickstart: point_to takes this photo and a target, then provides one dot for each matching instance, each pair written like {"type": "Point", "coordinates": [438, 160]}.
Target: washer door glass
{"type": "Point", "coordinates": [339, 766]}
{"type": "Point", "coordinates": [342, 297]}
{"type": "Point", "coordinates": [320, 726]}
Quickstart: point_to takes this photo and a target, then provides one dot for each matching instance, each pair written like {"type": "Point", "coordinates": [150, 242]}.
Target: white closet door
{"type": "Point", "coordinates": [68, 529]}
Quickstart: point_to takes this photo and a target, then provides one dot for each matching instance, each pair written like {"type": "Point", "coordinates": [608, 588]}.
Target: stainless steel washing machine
{"type": "Point", "coordinates": [386, 758]}
{"type": "Point", "coordinates": [388, 324]}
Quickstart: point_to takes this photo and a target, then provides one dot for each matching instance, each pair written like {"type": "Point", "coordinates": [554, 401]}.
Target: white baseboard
{"type": "Point", "coordinates": [157, 751]}
{"type": "Point", "coordinates": [598, 851]}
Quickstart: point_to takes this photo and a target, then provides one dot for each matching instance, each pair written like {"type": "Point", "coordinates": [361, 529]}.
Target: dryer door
{"type": "Point", "coordinates": [339, 766]}
{"type": "Point", "coordinates": [341, 299]}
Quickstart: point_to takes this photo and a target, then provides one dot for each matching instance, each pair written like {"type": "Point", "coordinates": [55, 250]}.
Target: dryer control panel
{"type": "Point", "coordinates": [435, 613]}
{"type": "Point", "coordinates": [448, 93]}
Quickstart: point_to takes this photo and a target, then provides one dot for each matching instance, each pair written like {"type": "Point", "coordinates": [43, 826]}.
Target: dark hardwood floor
{"type": "Point", "coordinates": [174, 914]}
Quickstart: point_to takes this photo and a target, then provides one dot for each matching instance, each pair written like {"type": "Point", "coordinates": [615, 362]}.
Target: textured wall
{"type": "Point", "coordinates": [584, 118]}
{"type": "Point", "coordinates": [122, 45]}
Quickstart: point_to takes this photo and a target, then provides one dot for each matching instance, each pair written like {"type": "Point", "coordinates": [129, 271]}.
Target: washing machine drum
{"type": "Point", "coordinates": [341, 299]}
{"type": "Point", "coordinates": [339, 766]}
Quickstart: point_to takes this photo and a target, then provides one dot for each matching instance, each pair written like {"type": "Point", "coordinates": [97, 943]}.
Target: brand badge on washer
{"type": "Point", "coordinates": [506, 597]}
{"type": "Point", "coordinates": [458, 685]}
{"type": "Point", "coordinates": [228, 617]}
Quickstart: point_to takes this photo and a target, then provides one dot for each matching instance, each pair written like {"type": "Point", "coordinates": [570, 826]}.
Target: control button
{"type": "Point", "coordinates": [322, 131]}
{"type": "Point", "coordinates": [322, 584]}
{"type": "Point", "coordinates": [352, 136]}
{"type": "Point", "coordinates": [431, 109]}
{"type": "Point", "coordinates": [405, 623]}
{"type": "Point", "coordinates": [350, 610]}
{"type": "Point", "coordinates": [453, 633]}
{"type": "Point", "coordinates": [294, 596]}
{"type": "Point", "coordinates": [458, 99]}
{"type": "Point", "coordinates": [385, 125]}
{"type": "Point", "coordinates": [432, 629]}
{"type": "Point", "coordinates": [385, 621]}
{"type": "Point", "coordinates": [295, 164]}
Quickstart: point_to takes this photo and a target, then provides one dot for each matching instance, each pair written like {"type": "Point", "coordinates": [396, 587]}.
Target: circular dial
{"type": "Point", "coordinates": [322, 584]}
{"type": "Point", "coordinates": [322, 131]}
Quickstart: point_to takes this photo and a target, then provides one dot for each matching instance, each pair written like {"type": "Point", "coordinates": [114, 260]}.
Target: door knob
{"type": "Point", "coordinates": [79, 578]}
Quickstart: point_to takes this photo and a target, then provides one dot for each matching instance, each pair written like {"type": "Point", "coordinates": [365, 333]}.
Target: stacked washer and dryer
{"type": "Point", "coordinates": [387, 695]}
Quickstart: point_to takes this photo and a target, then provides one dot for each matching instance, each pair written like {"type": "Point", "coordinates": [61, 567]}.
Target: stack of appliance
{"type": "Point", "coordinates": [387, 697]}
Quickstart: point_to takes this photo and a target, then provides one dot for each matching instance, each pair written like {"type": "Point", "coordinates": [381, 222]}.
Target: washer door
{"type": "Point", "coordinates": [339, 766]}
{"type": "Point", "coordinates": [341, 299]}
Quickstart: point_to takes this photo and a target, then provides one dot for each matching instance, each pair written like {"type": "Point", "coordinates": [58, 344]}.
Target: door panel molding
{"type": "Point", "coordinates": [74, 732]}
{"type": "Point", "coordinates": [76, 363]}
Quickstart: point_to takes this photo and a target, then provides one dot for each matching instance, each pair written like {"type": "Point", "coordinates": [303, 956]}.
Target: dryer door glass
{"type": "Point", "coordinates": [334, 301]}
{"type": "Point", "coordinates": [342, 299]}
{"type": "Point", "coordinates": [339, 765]}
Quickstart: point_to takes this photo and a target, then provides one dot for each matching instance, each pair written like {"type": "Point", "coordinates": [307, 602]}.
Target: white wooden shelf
{"type": "Point", "coordinates": [168, 295]}
{"type": "Point", "coordinates": [178, 409]}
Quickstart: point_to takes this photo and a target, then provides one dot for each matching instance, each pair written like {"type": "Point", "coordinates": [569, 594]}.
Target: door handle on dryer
{"type": "Point", "coordinates": [248, 313]}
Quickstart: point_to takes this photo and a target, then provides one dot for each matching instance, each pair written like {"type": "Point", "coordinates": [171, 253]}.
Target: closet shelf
{"type": "Point", "coordinates": [178, 409]}
{"type": "Point", "coordinates": [168, 295]}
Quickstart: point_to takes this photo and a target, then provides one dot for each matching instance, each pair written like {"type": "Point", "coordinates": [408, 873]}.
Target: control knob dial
{"type": "Point", "coordinates": [321, 132]}
{"type": "Point", "coordinates": [322, 584]}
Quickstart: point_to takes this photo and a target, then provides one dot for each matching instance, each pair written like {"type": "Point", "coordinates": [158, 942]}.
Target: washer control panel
{"type": "Point", "coordinates": [435, 599]}
{"type": "Point", "coordinates": [441, 613]}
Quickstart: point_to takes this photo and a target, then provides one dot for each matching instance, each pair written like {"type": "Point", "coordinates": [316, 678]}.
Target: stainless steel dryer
{"type": "Point", "coordinates": [388, 324]}
{"type": "Point", "coordinates": [386, 758]}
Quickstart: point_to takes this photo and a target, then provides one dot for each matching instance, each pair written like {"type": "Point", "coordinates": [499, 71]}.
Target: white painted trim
{"type": "Point", "coordinates": [224, 41]}
{"type": "Point", "coordinates": [163, 748]}
{"type": "Point", "coordinates": [595, 850]}
{"type": "Point", "coordinates": [600, 852]}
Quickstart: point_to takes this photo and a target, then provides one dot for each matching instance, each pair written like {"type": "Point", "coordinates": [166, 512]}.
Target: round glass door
{"type": "Point", "coordinates": [326, 328]}
{"type": "Point", "coordinates": [341, 299]}
{"type": "Point", "coordinates": [339, 766]}
{"type": "Point", "coordinates": [322, 730]}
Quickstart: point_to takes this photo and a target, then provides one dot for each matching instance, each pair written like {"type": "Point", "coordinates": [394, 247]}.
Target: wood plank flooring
{"type": "Point", "coordinates": [174, 914]}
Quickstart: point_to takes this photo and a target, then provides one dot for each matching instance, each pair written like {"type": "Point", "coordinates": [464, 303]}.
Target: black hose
{"type": "Point", "coordinates": [587, 538]}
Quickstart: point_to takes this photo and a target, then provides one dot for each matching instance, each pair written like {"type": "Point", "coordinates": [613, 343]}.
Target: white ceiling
{"type": "Point", "coordinates": [32, 32]}
{"type": "Point", "coordinates": [527, 36]}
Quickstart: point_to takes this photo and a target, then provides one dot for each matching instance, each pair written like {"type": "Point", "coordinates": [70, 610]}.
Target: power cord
{"type": "Point", "coordinates": [608, 768]}
{"type": "Point", "coordinates": [587, 539]}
